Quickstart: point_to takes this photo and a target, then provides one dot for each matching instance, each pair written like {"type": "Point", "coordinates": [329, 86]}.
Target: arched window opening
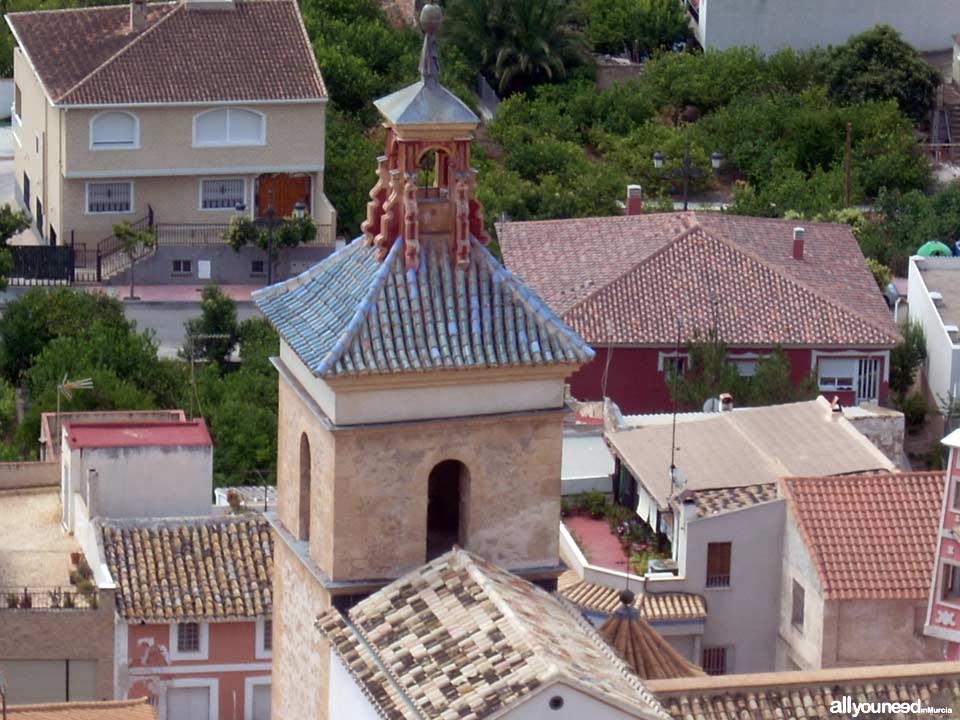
{"type": "Point", "coordinates": [432, 174]}
{"type": "Point", "coordinates": [447, 507]}
{"type": "Point", "coordinates": [303, 525]}
{"type": "Point", "coordinates": [114, 129]}
{"type": "Point", "coordinates": [229, 126]}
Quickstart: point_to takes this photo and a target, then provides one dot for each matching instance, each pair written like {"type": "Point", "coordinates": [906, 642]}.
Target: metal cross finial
{"type": "Point", "coordinates": [430, 19]}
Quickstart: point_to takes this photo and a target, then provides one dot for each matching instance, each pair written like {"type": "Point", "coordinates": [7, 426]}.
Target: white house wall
{"type": "Point", "coordinates": [799, 649]}
{"type": "Point", "coordinates": [147, 482]}
{"type": "Point", "coordinates": [346, 701]}
{"type": "Point", "coordinates": [942, 366]}
{"type": "Point", "coordinates": [576, 706]}
{"type": "Point", "coordinates": [774, 24]}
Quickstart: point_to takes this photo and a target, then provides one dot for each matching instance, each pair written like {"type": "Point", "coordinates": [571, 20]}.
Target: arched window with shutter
{"type": "Point", "coordinates": [229, 126]}
{"type": "Point", "coordinates": [114, 130]}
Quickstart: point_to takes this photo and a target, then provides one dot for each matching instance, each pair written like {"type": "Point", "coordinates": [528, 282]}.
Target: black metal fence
{"type": "Point", "coordinates": [47, 598]}
{"type": "Point", "coordinates": [42, 265]}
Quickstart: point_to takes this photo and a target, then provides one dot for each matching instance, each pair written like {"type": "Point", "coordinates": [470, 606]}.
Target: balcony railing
{"type": "Point", "coordinates": [46, 598]}
{"type": "Point", "coordinates": [213, 234]}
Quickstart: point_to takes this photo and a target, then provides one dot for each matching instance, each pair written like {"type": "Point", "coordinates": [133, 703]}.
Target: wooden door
{"type": "Point", "coordinates": [283, 192]}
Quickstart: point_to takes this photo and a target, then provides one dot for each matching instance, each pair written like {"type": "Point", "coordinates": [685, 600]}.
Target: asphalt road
{"type": "Point", "coordinates": [167, 319]}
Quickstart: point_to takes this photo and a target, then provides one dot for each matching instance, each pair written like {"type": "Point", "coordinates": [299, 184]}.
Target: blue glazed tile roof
{"type": "Point", "coordinates": [352, 315]}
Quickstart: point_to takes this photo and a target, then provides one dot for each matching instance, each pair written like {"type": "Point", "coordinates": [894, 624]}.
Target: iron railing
{"type": "Point", "coordinates": [186, 234]}
{"type": "Point", "coordinates": [111, 258]}
{"type": "Point", "coordinates": [41, 265]}
{"type": "Point", "coordinates": [47, 598]}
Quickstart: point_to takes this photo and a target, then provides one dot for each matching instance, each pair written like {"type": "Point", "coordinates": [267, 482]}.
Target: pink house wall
{"type": "Point", "coordinates": [232, 649]}
{"type": "Point", "coordinates": [946, 617]}
{"type": "Point", "coordinates": [637, 386]}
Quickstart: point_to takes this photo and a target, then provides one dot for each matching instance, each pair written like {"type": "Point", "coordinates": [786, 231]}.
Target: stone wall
{"type": "Point", "coordinates": [882, 427]}
{"type": "Point", "coordinates": [63, 635]}
{"type": "Point", "coordinates": [28, 474]}
{"type": "Point", "coordinates": [301, 657]}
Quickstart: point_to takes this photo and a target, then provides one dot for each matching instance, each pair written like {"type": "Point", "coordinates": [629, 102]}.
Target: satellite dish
{"type": "Point", "coordinates": [712, 405]}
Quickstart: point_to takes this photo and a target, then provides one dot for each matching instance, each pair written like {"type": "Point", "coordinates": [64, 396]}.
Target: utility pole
{"type": "Point", "coordinates": [846, 164]}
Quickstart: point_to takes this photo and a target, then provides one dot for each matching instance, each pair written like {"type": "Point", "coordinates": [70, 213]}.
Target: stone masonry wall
{"type": "Point", "coordinates": [885, 430]}
{"type": "Point", "coordinates": [301, 657]}
{"type": "Point", "coordinates": [63, 635]}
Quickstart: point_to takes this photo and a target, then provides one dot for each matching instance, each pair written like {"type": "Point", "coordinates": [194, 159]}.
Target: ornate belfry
{"type": "Point", "coordinates": [406, 204]}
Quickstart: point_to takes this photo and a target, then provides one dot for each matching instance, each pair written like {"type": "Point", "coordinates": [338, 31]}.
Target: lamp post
{"type": "Point", "coordinates": [687, 169]}
{"type": "Point", "coordinates": [268, 221]}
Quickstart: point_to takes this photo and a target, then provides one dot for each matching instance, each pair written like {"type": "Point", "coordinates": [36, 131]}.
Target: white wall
{"type": "Point", "coordinates": [943, 357]}
{"type": "Point", "coordinates": [346, 701]}
{"type": "Point", "coordinates": [801, 24]}
{"type": "Point", "coordinates": [576, 706]}
{"type": "Point", "coordinates": [799, 648]}
{"type": "Point", "coordinates": [144, 481]}
{"type": "Point", "coordinates": [427, 401]}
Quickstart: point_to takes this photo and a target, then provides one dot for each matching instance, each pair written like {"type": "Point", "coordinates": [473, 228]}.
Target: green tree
{"type": "Point", "coordinates": [134, 244]}
{"type": "Point", "coordinates": [636, 26]}
{"type": "Point", "coordinates": [772, 382]}
{"type": "Point", "coordinates": [41, 315]}
{"type": "Point", "coordinates": [709, 372]}
{"type": "Point", "coordinates": [214, 334]}
{"type": "Point", "coordinates": [906, 357]}
{"type": "Point", "coordinates": [11, 222]}
{"type": "Point", "coordinates": [517, 43]}
{"type": "Point", "coordinates": [351, 170]}
{"type": "Point", "coordinates": [879, 65]}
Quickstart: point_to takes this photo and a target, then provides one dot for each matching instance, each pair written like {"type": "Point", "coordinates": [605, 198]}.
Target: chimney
{"type": "Point", "coordinates": [798, 233]}
{"type": "Point", "coordinates": [634, 199]}
{"type": "Point", "coordinates": [726, 402]}
{"type": "Point", "coordinates": [138, 15]}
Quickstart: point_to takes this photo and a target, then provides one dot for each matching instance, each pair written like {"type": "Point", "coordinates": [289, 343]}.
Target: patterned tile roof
{"type": "Point", "coordinates": [806, 695]}
{"type": "Point", "coordinates": [190, 569]}
{"type": "Point", "coordinates": [626, 280]}
{"type": "Point", "coordinates": [870, 536]}
{"type": "Point", "coordinates": [724, 500]}
{"type": "Point", "coordinates": [89, 56]}
{"type": "Point", "coordinates": [654, 607]}
{"type": "Point", "coordinates": [645, 652]}
{"type": "Point", "coordinates": [138, 709]}
{"type": "Point", "coordinates": [462, 638]}
{"type": "Point", "coordinates": [353, 315]}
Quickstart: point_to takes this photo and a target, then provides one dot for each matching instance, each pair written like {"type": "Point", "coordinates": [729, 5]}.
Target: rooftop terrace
{"type": "Point", "coordinates": [34, 549]}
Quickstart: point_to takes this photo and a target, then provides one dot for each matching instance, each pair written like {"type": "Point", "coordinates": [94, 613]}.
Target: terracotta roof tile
{"type": "Point", "coordinates": [87, 56]}
{"type": "Point", "coordinates": [803, 695]}
{"type": "Point", "coordinates": [107, 710]}
{"type": "Point", "coordinates": [189, 569]}
{"type": "Point", "coordinates": [724, 500]}
{"type": "Point", "coordinates": [654, 607]}
{"type": "Point", "coordinates": [626, 279]}
{"type": "Point", "coordinates": [461, 638]}
{"type": "Point", "coordinates": [644, 651]}
{"type": "Point", "coordinates": [870, 536]}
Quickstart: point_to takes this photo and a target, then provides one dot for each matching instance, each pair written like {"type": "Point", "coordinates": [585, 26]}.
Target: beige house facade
{"type": "Point", "coordinates": [135, 135]}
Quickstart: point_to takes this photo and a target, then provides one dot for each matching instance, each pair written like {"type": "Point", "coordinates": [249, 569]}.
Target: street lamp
{"type": "Point", "coordinates": [268, 221]}
{"type": "Point", "coordinates": [687, 169]}
{"type": "Point", "coordinates": [299, 209]}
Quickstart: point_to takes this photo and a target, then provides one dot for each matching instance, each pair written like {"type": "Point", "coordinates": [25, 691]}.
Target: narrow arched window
{"type": "Point", "coordinates": [114, 129]}
{"type": "Point", "coordinates": [447, 507]}
{"type": "Point", "coordinates": [303, 524]}
{"type": "Point", "coordinates": [229, 126]}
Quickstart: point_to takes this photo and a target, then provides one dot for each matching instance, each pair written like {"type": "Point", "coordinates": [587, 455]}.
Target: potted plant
{"type": "Point", "coordinates": [68, 601]}
{"type": "Point", "coordinates": [13, 601]}
{"type": "Point", "coordinates": [75, 558]}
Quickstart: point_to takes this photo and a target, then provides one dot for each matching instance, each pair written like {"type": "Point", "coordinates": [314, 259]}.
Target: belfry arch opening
{"type": "Point", "coordinates": [433, 173]}
{"type": "Point", "coordinates": [303, 521]}
{"type": "Point", "coordinates": [447, 507]}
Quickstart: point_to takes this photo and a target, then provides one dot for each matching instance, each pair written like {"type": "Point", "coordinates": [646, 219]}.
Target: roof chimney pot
{"type": "Point", "coordinates": [798, 233]}
{"type": "Point", "coordinates": [138, 15]}
{"type": "Point", "coordinates": [634, 199]}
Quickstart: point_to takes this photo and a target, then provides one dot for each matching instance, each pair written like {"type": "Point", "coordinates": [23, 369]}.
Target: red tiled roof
{"type": "Point", "coordinates": [138, 709]}
{"type": "Point", "coordinates": [626, 279]}
{"type": "Point", "coordinates": [870, 536]}
{"type": "Point", "coordinates": [256, 51]}
{"type": "Point", "coordinates": [134, 434]}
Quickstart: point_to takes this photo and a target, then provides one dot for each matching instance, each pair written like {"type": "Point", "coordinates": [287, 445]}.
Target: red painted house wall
{"type": "Point", "coordinates": [637, 386]}
{"type": "Point", "coordinates": [232, 649]}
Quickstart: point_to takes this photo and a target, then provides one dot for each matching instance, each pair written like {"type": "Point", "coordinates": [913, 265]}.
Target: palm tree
{"type": "Point", "coordinates": [519, 43]}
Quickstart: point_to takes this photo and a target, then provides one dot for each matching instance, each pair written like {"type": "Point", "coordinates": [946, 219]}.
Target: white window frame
{"type": "Point", "coordinates": [214, 178]}
{"type": "Point", "coordinates": [663, 356]}
{"type": "Point", "coordinates": [938, 595]}
{"type": "Point", "coordinates": [260, 650]}
{"type": "Point", "coordinates": [211, 684]}
{"type": "Point", "coordinates": [116, 146]}
{"type": "Point", "coordinates": [202, 654]}
{"type": "Point", "coordinates": [263, 129]}
{"type": "Point", "coordinates": [86, 199]}
{"type": "Point", "coordinates": [248, 685]}
{"type": "Point", "coordinates": [854, 376]}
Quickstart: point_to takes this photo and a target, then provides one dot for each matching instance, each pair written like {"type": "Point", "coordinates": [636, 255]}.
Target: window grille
{"type": "Point", "coordinates": [221, 194]}
{"type": "Point", "coordinates": [109, 197]}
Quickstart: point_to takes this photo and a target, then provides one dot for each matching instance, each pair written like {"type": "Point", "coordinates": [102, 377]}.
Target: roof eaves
{"type": "Point", "coordinates": [313, 55]}
{"type": "Point", "coordinates": [64, 97]}
{"type": "Point", "coordinates": [23, 48]}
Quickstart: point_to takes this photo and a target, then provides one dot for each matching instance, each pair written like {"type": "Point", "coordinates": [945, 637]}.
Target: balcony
{"type": "Point", "coordinates": [28, 599]}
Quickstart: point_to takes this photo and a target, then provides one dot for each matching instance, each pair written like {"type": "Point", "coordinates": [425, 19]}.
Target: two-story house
{"type": "Point", "coordinates": [169, 115]}
{"type": "Point", "coordinates": [639, 287]}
